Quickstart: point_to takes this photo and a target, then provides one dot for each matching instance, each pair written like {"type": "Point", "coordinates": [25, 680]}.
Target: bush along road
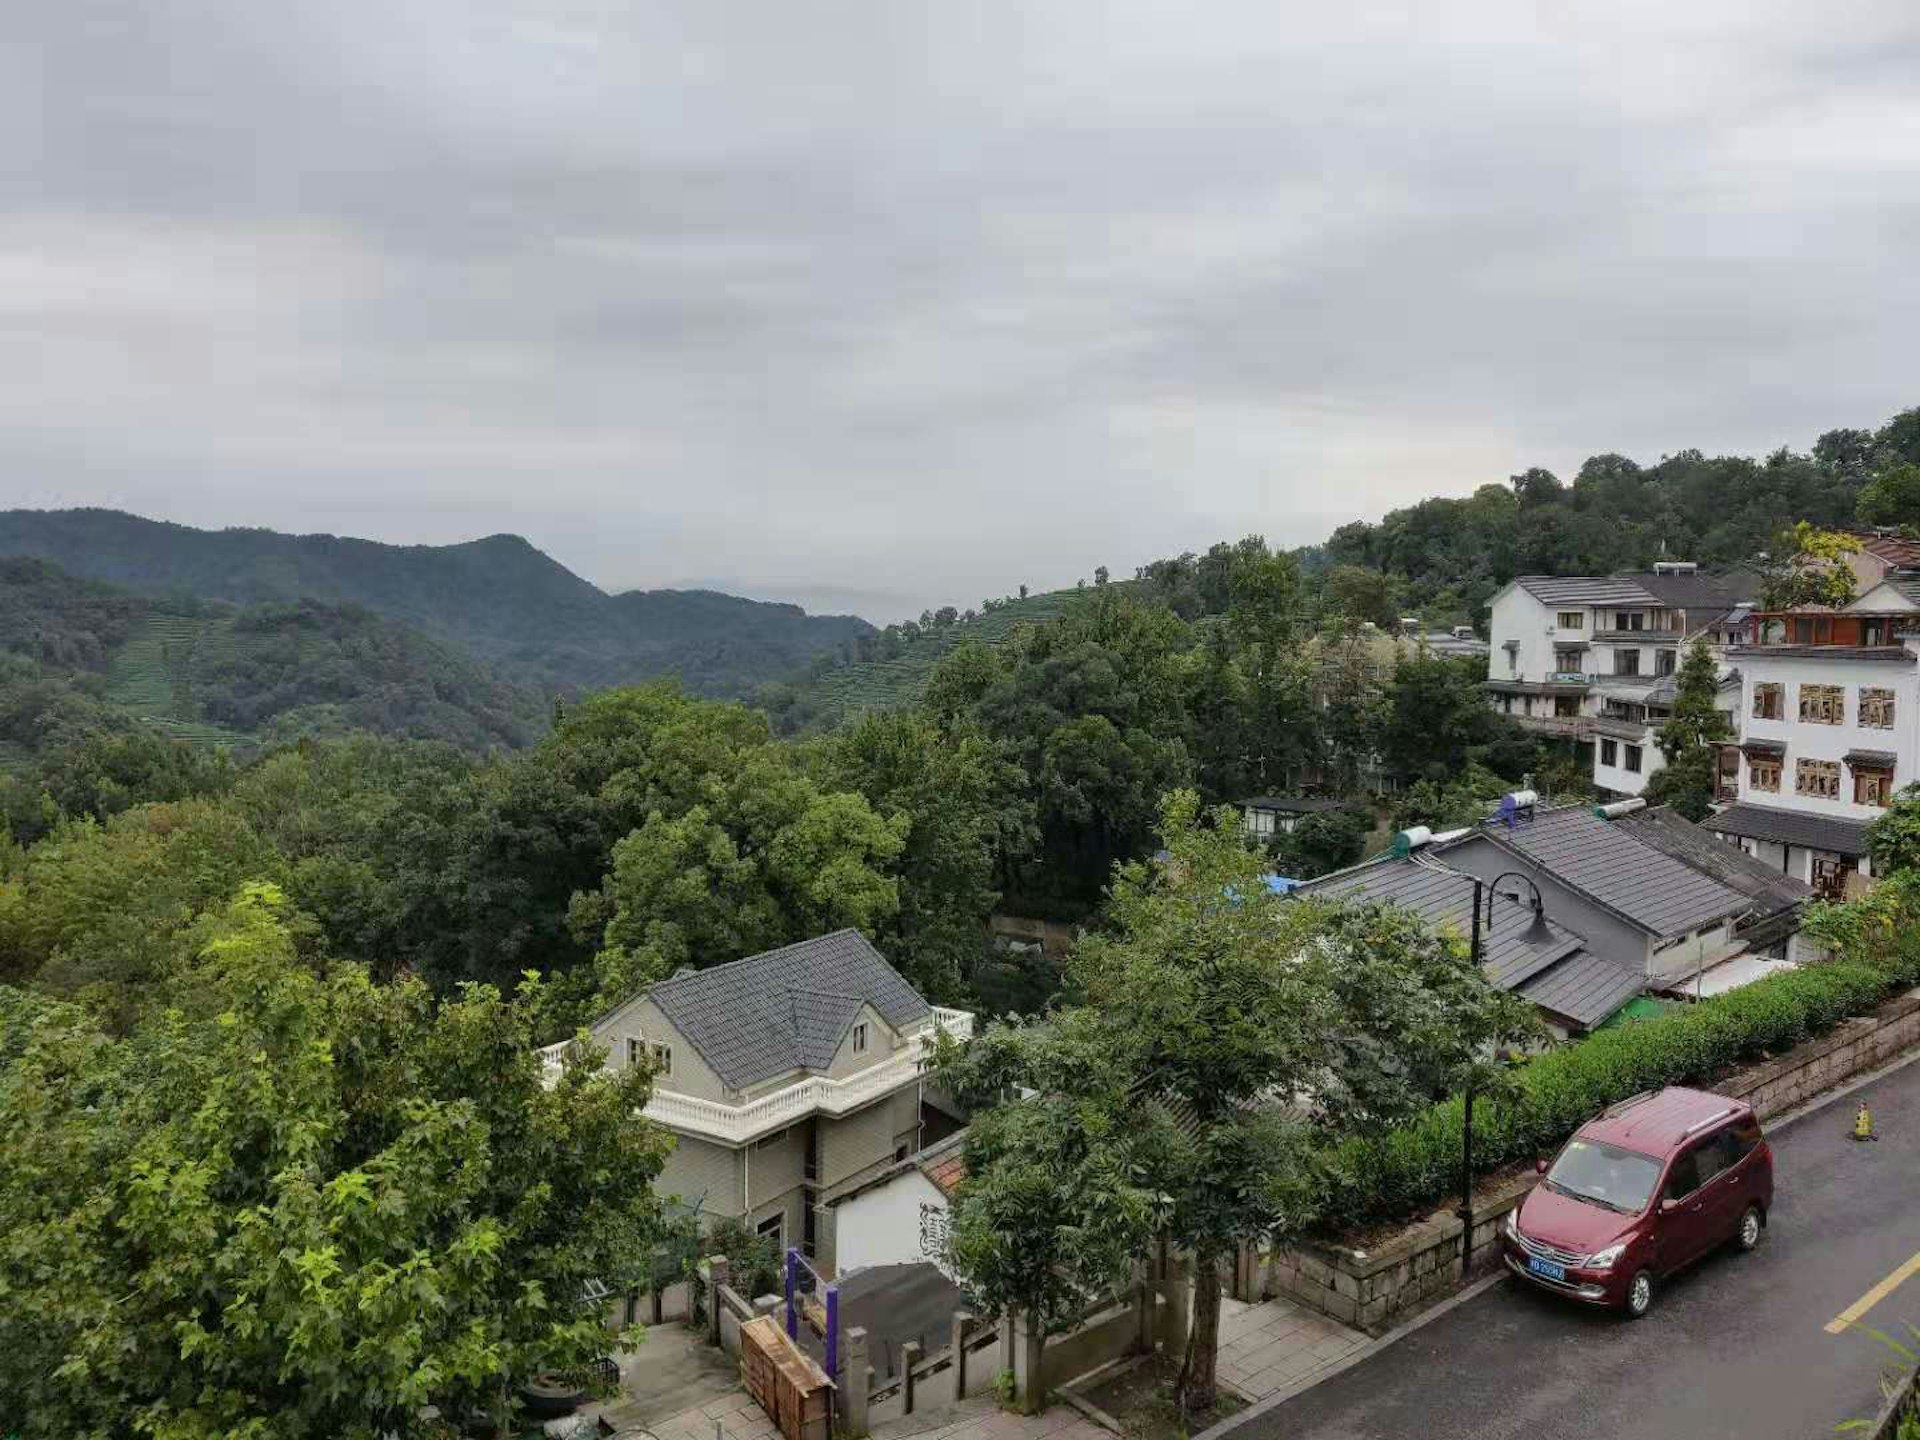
{"type": "Point", "coordinates": [1737, 1346]}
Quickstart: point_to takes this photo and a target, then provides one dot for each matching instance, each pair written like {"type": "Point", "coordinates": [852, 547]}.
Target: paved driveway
{"type": "Point", "coordinates": [1736, 1347]}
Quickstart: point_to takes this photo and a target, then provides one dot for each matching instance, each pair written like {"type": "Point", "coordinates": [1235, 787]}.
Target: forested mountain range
{"type": "Point", "coordinates": [77, 655]}
{"type": "Point", "coordinates": [499, 599]}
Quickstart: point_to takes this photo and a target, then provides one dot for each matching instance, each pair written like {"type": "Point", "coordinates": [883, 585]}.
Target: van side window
{"type": "Point", "coordinates": [1746, 1137]}
{"type": "Point", "coordinates": [1716, 1153]}
{"type": "Point", "coordinates": [1684, 1178]}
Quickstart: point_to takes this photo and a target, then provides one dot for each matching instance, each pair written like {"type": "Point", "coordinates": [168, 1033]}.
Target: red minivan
{"type": "Point", "coordinates": [1649, 1185]}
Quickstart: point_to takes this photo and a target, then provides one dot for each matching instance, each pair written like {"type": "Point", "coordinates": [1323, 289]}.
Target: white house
{"type": "Point", "coordinates": [1829, 730]}
{"type": "Point", "coordinates": [1592, 658]}
{"type": "Point", "coordinates": [900, 1217]}
{"type": "Point", "coordinates": [787, 1078]}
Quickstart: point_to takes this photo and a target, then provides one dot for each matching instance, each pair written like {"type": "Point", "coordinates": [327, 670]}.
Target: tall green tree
{"type": "Point", "coordinates": [1052, 1208]}
{"type": "Point", "coordinates": [967, 814]}
{"type": "Point", "coordinates": [1808, 566]}
{"type": "Point", "coordinates": [1209, 1004]}
{"type": "Point", "coordinates": [1688, 738]}
{"type": "Point", "coordinates": [293, 1206]}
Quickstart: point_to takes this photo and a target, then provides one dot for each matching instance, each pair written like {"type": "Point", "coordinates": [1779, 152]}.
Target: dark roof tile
{"type": "Point", "coordinates": [786, 1009]}
{"type": "Point", "coordinates": [1791, 827]}
{"type": "Point", "coordinates": [1612, 867]}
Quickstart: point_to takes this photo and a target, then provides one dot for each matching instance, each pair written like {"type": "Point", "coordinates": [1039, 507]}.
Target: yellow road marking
{"type": "Point", "coordinates": [1873, 1297]}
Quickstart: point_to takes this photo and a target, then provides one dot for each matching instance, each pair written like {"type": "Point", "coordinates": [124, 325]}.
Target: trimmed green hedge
{"type": "Point", "coordinates": [1390, 1176]}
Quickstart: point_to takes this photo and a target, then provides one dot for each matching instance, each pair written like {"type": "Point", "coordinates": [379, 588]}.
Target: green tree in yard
{"type": "Point", "coordinates": [1808, 566]}
{"type": "Point", "coordinates": [290, 1205]}
{"type": "Point", "coordinates": [1330, 840]}
{"type": "Point", "coordinates": [1893, 840]}
{"type": "Point", "coordinates": [1437, 715]}
{"type": "Point", "coordinates": [1687, 739]}
{"type": "Point", "coordinates": [1051, 1210]}
{"type": "Point", "coordinates": [1210, 1004]}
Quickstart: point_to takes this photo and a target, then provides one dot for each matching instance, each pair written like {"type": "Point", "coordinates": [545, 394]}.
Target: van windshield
{"type": "Point", "coordinates": [1605, 1175]}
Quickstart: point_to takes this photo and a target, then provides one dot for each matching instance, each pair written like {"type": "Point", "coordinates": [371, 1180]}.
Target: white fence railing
{"type": "Point", "coordinates": [816, 1094]}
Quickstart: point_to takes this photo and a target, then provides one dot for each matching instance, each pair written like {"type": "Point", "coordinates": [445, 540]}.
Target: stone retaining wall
{"type": "Point", "coordinates": [1375, 1288]}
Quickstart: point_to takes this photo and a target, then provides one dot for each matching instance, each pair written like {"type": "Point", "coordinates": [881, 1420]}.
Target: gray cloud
{"type": "Point", "coordinates": [882, 305]}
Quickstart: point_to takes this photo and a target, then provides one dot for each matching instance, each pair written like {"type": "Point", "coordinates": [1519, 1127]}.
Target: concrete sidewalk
{"type": "Point", "coordinates": [675, 1377]}
{"type": "Point", "coordinates": [1274, 1346]}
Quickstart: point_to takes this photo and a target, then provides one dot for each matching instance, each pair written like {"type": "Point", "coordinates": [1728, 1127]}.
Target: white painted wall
{"type": "Point", "coordinates": [900, 1222]}
{"type": "Point", "coordinates": [1617, 776]}
{"type": "Point", "coordinates": [1827, 742]}
{"type": "Point", "coordinates": [1516, 615]}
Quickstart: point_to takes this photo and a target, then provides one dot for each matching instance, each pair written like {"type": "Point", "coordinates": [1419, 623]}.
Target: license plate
{"type": "Point", "coordinates": [1546, 1268]}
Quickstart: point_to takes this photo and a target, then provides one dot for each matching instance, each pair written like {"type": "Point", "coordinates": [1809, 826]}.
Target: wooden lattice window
{"type": "Point", "coordinates": [1823, 704]}
{"type": "Point", "coordinates": [1763, 773]}
{"type": "Point", "coordinates": [1819, 778]}
{"type": "Point", "coordinates": [1873, 787]}
{"type": "Point", "coordinates": [1876, 709]}
{"type": "Point", "coordinates": [1767, 700]}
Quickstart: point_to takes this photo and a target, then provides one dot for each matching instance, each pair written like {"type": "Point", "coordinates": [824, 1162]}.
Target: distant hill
{"type": "Point", "coordinates": [499, 598]}
{"type": "Point", "coordinates": [80, 654]}
{"type": "Point", "coordinates": [827, 695]}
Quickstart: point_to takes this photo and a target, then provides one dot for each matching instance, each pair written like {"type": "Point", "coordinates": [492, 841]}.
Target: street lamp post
{"type": "Point", "coordinates": [1538, 933]}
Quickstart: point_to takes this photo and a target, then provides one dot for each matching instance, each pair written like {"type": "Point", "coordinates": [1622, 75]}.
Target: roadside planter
{"type": "Point", "coordinates": [1374, 1283]}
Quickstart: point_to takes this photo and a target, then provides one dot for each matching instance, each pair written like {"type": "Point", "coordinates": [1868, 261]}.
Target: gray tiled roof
{"type": "Point", "coordinates": [1563, 977]}
{"type": "Point", "coordinates": [1634, 880]}
{"type": "Point", "coordinates": [1444, 898]}
{"type": "Point", "coordinates": [785, 1010]}
{"type": "Point", "coordinates": [1585, 590]}
{"type": "Point", "coordinates": [1584, 987]}
{"type": "Point", "coordinates": [1871, 759]}
{"type": "Point", "coordinates": [1765, 885]}
{"type": "Point", "coordinates": [1791, 827]}
{"type": "Point", "coordinates": [1700, 593]}
{"type": "Point", "coordinates": [1292, 804]}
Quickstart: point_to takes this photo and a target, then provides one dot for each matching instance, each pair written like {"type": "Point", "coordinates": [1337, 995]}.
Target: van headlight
{"type": "Point", "coordinates": [1604, 1259]}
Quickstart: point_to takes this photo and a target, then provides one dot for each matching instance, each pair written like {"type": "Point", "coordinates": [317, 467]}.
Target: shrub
{"type": "Point", "coordinates": [1391, 1175]}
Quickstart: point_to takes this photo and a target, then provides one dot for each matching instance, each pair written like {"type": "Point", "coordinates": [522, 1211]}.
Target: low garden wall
{"type": "Point", "coordinates": [1374, 1285]}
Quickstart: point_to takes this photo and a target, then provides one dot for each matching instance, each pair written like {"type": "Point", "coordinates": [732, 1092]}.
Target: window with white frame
{"type": "Point", "coordinates": [1572, 620]}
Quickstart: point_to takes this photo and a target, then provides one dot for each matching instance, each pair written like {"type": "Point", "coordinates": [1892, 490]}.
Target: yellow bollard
{"type": "Point", "coordinates": [1863, 1124]}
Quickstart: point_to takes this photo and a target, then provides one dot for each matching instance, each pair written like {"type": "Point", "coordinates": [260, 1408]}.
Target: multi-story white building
{"type": "Point", "coordinates": [1829, 730]}
{"type": "Point", "coordinates": [787, 1079]}
{"type": "Point", "coordinates": [1592, 658]}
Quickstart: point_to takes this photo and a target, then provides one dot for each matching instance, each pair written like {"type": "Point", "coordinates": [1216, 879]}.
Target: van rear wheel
{"type": "Point", "coordinates": [1747, 1237]}
{"type": "Point", "coordinates": [1639, 1295]}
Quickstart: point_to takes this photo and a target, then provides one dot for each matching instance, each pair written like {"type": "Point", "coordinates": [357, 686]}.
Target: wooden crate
{"type": "Point", "coordinates": [784, 1381]}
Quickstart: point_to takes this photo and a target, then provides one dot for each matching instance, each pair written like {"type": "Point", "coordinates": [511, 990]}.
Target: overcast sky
{"type": "Point", "coordinates": [884, 305]}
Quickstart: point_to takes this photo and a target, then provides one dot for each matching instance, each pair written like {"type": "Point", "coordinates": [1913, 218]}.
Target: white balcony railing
{"type": "Point", "coordinates": [815, 1095]}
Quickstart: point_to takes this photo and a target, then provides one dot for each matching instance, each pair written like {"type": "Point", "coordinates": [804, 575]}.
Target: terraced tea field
{"type": "Point", "coordinates": [152, 676]}
{"type": "Point", "coordinates": [881, 684]}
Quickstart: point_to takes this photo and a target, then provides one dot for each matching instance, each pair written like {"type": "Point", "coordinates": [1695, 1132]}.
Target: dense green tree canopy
{"type": "Point", "coordinates": [298, 1205]}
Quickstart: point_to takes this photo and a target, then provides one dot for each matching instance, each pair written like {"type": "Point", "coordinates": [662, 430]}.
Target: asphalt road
{"type": "Point", "coordinates": [1735, 1346]}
